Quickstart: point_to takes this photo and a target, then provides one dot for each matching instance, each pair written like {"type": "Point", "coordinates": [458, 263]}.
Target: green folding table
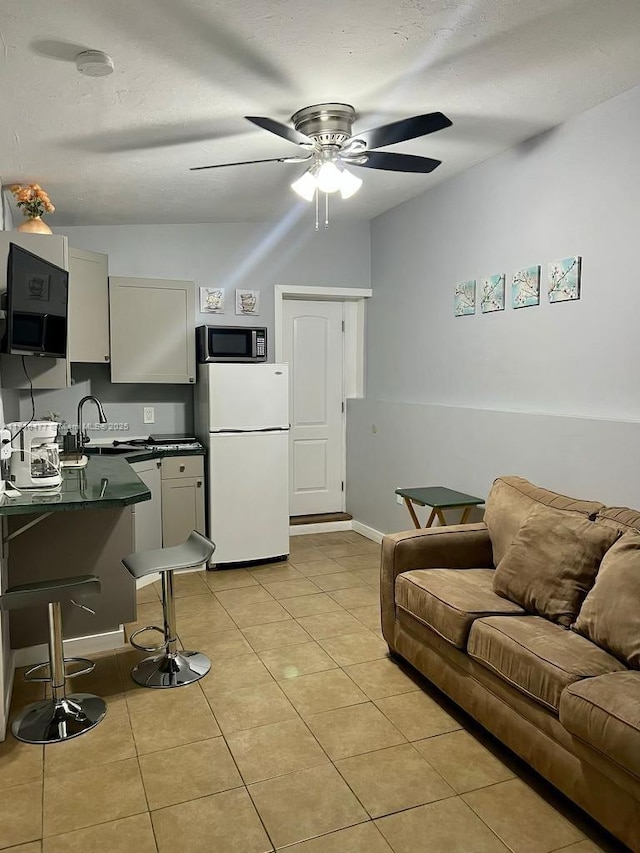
{"type": "Point", "coordinates": [438, 498]}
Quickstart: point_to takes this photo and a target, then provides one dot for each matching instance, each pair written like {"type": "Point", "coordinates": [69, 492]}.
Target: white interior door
{"type": "Point", "coordinates": [313, 346]}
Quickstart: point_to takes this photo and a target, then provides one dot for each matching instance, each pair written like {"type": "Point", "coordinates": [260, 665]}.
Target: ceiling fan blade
{"type": "Point", "coordinates": [280, 129]}
{"type": "Point", "coordinates": [251, 162]}
{"type": "Point", "coordinates": [401, 131]}
{"type": "Point", "coordinates": [397, 162]}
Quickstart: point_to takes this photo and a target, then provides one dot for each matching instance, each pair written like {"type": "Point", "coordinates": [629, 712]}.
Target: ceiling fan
{"type": "Point", "coordinates": [324, 132]}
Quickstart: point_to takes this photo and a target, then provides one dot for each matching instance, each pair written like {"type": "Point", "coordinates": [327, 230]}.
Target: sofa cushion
{"type": "Point", "coordinates": [620, 517]}
{"type": "Point", "coordinates": [448, 600]}
{"type": "Point", "coordinates": [610, 615]}
{"type": "Point", "coordinates": [536, 656]}
{"type": "Point", "coordinates": [510, 501]}
{"type": "Point", "coordinates": [605, 713]}
{"type": "Point", "coordinates": [552, 563]}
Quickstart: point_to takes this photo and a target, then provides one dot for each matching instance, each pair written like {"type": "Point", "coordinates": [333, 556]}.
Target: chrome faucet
{"type": "Point", "coordinates": [82, 438]}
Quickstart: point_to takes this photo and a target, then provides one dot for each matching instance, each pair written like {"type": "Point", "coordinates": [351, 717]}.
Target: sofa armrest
{"type": "Point", "coordinates": [456, 546]}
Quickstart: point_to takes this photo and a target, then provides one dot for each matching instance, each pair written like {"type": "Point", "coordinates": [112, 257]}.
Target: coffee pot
{"type": "Point", "coordinates": [35, 458]}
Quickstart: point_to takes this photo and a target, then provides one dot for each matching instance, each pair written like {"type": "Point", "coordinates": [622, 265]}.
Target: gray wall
{"type": "Point", "coordinates": [234, 255]}
{"type": "Point", "coordinates": [570, 191]}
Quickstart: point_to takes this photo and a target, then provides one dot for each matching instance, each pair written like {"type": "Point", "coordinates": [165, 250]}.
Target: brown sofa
{"type": "Point", "coordinates": [566, 705]}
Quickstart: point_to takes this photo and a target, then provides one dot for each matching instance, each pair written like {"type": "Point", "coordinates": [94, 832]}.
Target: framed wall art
{"type": "Point", "coordinates": [563, 279]}
{"type": "Point", "coordinates": [212, 300]}
{"type": "Point", "coordinates": [525, 287]}
{"type": "Point", "coordinates": [492, 294]}
{"type": "Point", "coordinates": [248, 302]}
{"type": "Point", "coordinates": [464, 299]}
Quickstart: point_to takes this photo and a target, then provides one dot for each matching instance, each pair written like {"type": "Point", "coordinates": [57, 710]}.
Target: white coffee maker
{"type": "Point", "coordinates": [35, 458]}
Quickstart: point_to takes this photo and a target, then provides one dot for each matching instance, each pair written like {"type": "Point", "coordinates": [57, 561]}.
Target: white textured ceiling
{"type": "Point", "coordinates": [118, 149]}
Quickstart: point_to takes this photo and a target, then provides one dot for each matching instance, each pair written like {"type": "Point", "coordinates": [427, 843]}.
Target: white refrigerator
{"type": "Point", "coordinates": [242, 418]}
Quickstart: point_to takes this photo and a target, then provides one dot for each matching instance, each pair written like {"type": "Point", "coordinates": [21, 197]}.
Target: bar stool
{"type": "Point", "coordinates": [171, 668]}
{"type": "Point", "coordinates": [62, 716]}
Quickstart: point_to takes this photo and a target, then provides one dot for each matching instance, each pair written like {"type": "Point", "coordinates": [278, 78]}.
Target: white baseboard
{"type": "Point", "coordinates": [8, 692]}
{"type": "Point", "coordinates": [369, 532]}
{"type": "Point", "coordinates": [147, 579]}
{"type": "Point", "coordinates": [76, 647]}
{"type": "Point", "coordinates": [319, 527]}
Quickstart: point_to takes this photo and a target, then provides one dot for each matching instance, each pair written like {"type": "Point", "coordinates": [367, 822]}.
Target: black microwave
{"type": "Point", "coordinates": [230, 343]}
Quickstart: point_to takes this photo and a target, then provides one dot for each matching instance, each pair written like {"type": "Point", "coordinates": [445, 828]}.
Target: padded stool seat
{"type": "Point", "coordinates": [172, 667]}
{"type": "Point", "coordinates": [43, 592]}
{"type": "Point", "coordinates": [63, 716]}
{"type": "Point", "coordinates": [195, 551]}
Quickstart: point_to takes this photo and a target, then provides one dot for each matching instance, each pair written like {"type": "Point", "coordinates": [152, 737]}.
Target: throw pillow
{"type": "Point", "coordinates": [610, 615]}
{"type": "Point", "coordinates": [552, 563]}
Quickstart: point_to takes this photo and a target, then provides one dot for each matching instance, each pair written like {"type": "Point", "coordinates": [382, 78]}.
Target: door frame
{"type": "Point", "coordinates": [354, 304]}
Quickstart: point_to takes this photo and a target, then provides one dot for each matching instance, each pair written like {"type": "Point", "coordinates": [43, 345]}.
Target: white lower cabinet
{"type": "Point", "coordinates": [182, 498]}
{"type": "Point", "coordinates": [147, 515]}
{"type": "Point", "coordinates": [177, 501]}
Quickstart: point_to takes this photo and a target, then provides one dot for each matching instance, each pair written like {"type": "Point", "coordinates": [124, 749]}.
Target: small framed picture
{"type": "Point", "coordinates": [564, 279]}
{"type": "Point", "coordinates": [464, 299]}
{"type": "Point", "coordinates": [247, 302]}
{"type": "Point", "coordinates": [525, 287]}
{"type": "Point", "coordinates": [212, 300]}
{"type": "Point", "coordinates": [492, 297]}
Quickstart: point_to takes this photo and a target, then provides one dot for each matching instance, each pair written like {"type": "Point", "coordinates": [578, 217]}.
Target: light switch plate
{"type": "Point", "coordinates": [148, 415]}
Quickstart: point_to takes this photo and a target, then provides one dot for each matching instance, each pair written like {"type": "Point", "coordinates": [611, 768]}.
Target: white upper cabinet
{"type": "Point", "coordinates": [152, 330]}
{"type": "Point", "coordinates": [88, 307]}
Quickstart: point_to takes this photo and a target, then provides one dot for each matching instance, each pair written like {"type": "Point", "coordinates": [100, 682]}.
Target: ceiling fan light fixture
{"type": "Point", "coordinates": [329, 177]}
{"type": "Point", "coordinates": [306, 185]}
{"type": "Point", "coordinates": [349, 184]}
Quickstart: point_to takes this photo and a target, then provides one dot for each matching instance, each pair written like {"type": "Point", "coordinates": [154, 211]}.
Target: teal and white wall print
{"type": "Point", "coordinates": [464, 301]}
{"type": "Point", "coordinates": [492, 296]}
{"type": "Point", "coordinates": [564, 279]}
{"type": "Point", "coordinates": [525, 287]}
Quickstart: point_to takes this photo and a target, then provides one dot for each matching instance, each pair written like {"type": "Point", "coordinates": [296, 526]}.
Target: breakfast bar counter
{"type": "Point", "coordinates": [43, 538]}
{"type": "Point", "coordinates": [104, 483]}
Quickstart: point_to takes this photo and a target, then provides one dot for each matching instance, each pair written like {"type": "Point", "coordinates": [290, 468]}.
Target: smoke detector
{"type": "Point", "coordinates": [94, 63]}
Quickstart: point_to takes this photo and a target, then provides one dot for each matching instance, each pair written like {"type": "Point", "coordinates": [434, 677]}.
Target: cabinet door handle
{"type": "Point", "coordinates": [199, 483]}
{"type": "Point", "coordinates": [182, 468]}
{"type": "Point", "coordinates": [158, 464]}
{"type": "Point", "coordinates": [106, 358]}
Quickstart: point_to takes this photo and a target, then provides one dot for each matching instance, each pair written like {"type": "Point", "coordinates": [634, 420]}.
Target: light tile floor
{"type": "Point", "coordinates": [305, 735]}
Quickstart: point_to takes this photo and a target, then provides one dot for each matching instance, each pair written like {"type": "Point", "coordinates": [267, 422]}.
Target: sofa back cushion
{"type": "Point", "coordinates": [510, 501]}
{"type": "Point", "coordinates": [620, 517]}
{"type": "Point", "coordinates": [552, 563]}
{"type": "Point", "coordinates": [610, 615]}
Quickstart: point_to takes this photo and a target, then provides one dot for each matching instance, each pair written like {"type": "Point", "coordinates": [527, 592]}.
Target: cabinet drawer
{"type": "Point", "coordinates": [182, 466]}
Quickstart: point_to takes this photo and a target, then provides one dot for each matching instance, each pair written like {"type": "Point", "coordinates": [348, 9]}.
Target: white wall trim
{"type": "Point", "coordinates": [353, 306]}
{"type": "Point", "coordinates": [365, 530]}
{"type": "Point", "coordinates": [8, 693]}
{"type": "Point", "coordinates": [354, 317]}
{"type": "Point", "coordinates": [75, 647]}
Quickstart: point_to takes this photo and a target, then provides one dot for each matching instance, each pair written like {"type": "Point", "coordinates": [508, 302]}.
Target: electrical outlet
{"type": "Point", "coordinates": [148, 415]}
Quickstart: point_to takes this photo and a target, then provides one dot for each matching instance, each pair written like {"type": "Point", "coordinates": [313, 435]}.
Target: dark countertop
{"type": "Point", "coordinates": [106, 482]}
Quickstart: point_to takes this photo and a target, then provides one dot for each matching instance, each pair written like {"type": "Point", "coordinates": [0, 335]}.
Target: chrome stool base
{"type": "Point", "coordinates": [51, 721]}
{"type": "Point", "coordinates": [171, 670]}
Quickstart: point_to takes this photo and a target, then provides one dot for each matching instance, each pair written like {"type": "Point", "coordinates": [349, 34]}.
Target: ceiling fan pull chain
{"type": "Point", "coordinates": [317, 210]}
{"type": "Point", "coordinates": [326, 211]}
